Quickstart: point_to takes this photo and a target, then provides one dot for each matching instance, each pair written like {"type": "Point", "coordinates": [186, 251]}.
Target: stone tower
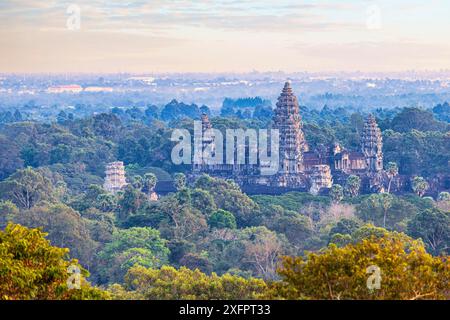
{"type": "Point", "coordinates": [115, 177]}
{"type": "Point", "coordinates": [292, 141]}
{"type": "Point", "coordinates": [372, 145]}
{"type": "Point", "coordinates": [207, 142]}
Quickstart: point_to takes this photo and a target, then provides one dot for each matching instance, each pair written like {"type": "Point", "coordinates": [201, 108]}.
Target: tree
{"type": "Point", "coordinates": [179, 181]}
{"type": "Point", "coordinates": [195, 261]}
{"type": "Point", "coordinates": [444, 196]}
{"type": "Point", "coordinates": [130, 202]}
{"type": "Point", "coordinates": [344, 227]}
{"type": "Point", "coordinates": [433, 227]}
{"type": "Point", "coordinates": [8, 212]}
{"type": "Point", "coordinates": [185, 222]}
{"type": "Point", "coordinates": [150, 181]}
{"type": "Point", "coordinates": [65, 227]}
{"type": "Point", "coordinates": [414, 118]}
{"type": "Point", "coordinates": [420, 186]}
{"type": "Point", "coordinates": [37, 270]}
{"type": "Point", "coordinates": [387, 210]}
{"type": "Point", "coordinates": [407, 272]}
{"type": "Point", "coordinates": [392, 171]}
{"type": "Point", "coordinates": [142, 246]}
{"type": "Point", "coordinates": [203, 201]}
{"type": "Point", "coordinates": [337, 193]}
{"type": "Point", "coordinates": [10, 156]}
{"type": "Point", "coordinates": [137, 182]}
{"type": "Point", "coordinates": [222, 219]}
{"type": "Point", "coordinates": [228, 196]}
{"type": "Point", "coordinates": [352, 185]}
{"type": "Point", "coordinates": [106, 202]}
{"type": "Point", "coordinates": [26, 187]}
{"type": "Point", "coordinates": [383, 201]}
{"type": "Point", "coordinates": [169, 283]}
{"type": "Point", "coordinates": [262, 250]}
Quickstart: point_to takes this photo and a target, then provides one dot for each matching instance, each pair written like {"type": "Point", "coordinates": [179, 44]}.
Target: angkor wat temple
{"type": "Point", "coordinates": [299, 167]}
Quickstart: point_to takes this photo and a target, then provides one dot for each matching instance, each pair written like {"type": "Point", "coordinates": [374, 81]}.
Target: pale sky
{"type": "Point", "coordinates": [224, 36]}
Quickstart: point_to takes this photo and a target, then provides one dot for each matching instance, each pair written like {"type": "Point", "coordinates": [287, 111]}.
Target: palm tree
{"type": "Point", "coordinates": [420, 186]}
{"type": "Point", "coordinates": [352, 185]}
{"type": "Point", "coordinates": [392, 171]}
{"type": "Point", "coordinates": [150, 181]}
{"type": "Point", "coordinates": [106, 202]}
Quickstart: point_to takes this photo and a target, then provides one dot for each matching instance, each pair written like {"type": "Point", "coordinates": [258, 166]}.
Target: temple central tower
{"type": "Point", "coordinates": [292, 140]}
{"type": "Point", "coordinates": [372, 145]}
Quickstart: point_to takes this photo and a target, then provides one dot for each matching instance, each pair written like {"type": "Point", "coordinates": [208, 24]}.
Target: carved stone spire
{"type": "Point", "coordinates": [372, 145]}
{"type": "Point", "coordinates": [292, 141]}
{"type": "Point", "coordinates": [115, 177]}
{"type": "Point", "coordinates": [207, 139]}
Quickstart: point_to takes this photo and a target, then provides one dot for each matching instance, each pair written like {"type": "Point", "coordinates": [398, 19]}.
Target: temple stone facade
{"type": "Point", "coordinates": [372, 145]}
{"type": "Point", "coordinates": [303, 169]}
{"type": "Point", "coordinates": [115, 177]}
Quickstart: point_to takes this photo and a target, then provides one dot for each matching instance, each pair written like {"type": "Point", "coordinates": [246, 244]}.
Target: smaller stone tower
{"type": "Point", "coordinates": [115, 177]}
{"type": "Point", "coordinates": [207, 143]}
{"type": "Point", "coordinates": [372, 145]}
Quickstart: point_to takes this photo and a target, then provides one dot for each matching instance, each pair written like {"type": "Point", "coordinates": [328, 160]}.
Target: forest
{"type": "Point", "coordinates": [207, 239]}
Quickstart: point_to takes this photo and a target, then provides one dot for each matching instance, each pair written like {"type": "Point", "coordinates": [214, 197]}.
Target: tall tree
{"type": "Point", "coordinates": [26, 187]}
{"type": "Point", "coordinates": [179, 181]}
{"type": "Point", "coordinates": [433, 227]}
{"type": "Point", "coordinates": [352, 185]}
{"type": "Point", "coordinates": [150, 181]}
{"type": "Point", "coordinates": [337, 193]}
{"type": "Point", "coordinates": [392, 171]}
{"type": "Point", "coordinates": [419, 186]}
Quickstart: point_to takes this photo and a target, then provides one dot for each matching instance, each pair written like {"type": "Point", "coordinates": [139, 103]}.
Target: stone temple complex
{"type": "Point", "coordinates": [299, 167]}
{"type": "Point", "coordinates": [115, 177]}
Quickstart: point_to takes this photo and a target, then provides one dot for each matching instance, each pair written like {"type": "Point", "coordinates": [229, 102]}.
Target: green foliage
{"type": "Point", "coordinates": [214, 226]}
{"type": "Point", "coordinates": [179, 181]}
{"type": "Point", "coordinates": [8, 211]}
{"type": "Point", "coordinates": [352, 185]}
{"type": "Point", "coordinates": [433, 227]}
{"type": "Point", "coordinates": [420, 186]}
{"type": "Point", "coordinates": [414, 118]}
{"type": "Point", "coordinates": [222, 219]}
{"type": "Point", "coordinates": [345, 227]}
{"type": "Point", "coordinates": [203, 201]}
{"type": "Point", "coordinates": [65, 228]}
{"type": "Point", "coordinates": [26, 188]}
{"type": "Point", "coordinates": [130, 202]}
{"type": "Point", "coordinates": [417, 152]}
{"type": "Point", "coordinates": [341, 273]}
{"type": "Point", "coordinates": [444, 196]}
{"type": "Point", "coordinates": [142, 246]}
{"type": "Point", "coordinates": [33, 269]}
{"type": "Point", "coordinates": [293, 201]}
{"type": "Point", "coordinates": [228, 196]}
{"type": "Point", "coordinates": [170, 283]}
{"type": "Point", "coordinates": [150, 181]}
{"type": "Point", "coordinates": [337, 193]}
